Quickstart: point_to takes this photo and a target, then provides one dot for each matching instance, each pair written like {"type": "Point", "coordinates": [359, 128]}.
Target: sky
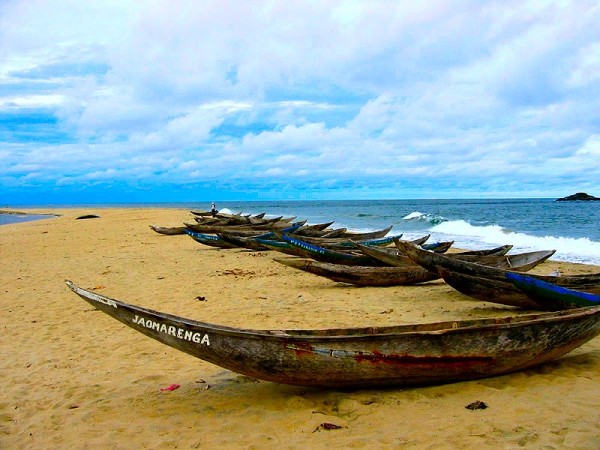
{"type": "Point", "coordinates": [167, 101]}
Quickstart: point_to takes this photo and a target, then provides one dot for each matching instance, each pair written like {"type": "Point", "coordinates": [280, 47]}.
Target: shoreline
{"type": "Point", "coordinates": [24, 213]}
{"type": "Point", "coordinates": [77, 378]}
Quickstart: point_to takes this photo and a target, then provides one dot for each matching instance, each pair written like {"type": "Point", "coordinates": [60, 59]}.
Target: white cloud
{"type": "Point", "coordinates": [590, 147]}
{"type": "Point", "coordinates": [32, 101]}
{"type": "Point", "coordinates": [371, 92]}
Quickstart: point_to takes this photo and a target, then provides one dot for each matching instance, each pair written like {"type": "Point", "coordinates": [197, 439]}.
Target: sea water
{"type": "Point", "coordinates": [21, 217]}
{"type": "Point", "coordinates": [570, 228]}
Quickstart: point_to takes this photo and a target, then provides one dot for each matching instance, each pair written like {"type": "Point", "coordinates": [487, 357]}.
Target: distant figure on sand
{"type": "Point", "coordinates": [213, 209]}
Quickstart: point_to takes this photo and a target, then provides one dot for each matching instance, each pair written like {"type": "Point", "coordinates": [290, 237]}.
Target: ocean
{"type": "Point", "coordinates": [570, 228]}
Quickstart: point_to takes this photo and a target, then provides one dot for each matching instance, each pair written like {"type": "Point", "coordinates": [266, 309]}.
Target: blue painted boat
{"type": "Point", "coordinates": [318, 253]}
{"type": "Point", "coordinates": [209, 239]}
{"type": "Point", "coordinates": [552, 295]}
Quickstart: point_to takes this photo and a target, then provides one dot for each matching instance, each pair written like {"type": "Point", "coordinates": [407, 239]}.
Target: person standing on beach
{"type": "Point", "coordinates": [213, 209]}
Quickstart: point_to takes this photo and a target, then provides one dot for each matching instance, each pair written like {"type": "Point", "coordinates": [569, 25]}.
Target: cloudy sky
{"type": "Point", "coordinates": [252, 100]}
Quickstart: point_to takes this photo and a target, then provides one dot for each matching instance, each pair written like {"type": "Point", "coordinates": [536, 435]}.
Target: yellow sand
{"type": "Point", "coordinates": [73, 377]}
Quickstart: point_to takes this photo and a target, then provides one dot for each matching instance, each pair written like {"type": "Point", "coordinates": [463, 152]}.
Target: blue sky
{"type": "Point", "coordinates": [119, 101]}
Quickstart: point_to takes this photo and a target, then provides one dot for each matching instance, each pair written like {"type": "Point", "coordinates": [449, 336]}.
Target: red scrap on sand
{"type": "Point", "coordinates": [170, 388]}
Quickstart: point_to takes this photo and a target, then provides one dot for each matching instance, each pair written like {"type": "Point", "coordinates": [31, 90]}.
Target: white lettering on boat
{"type": "Point", "coordinates": [179, 333]}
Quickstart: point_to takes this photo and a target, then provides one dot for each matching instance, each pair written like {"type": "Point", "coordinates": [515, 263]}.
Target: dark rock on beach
{"type": "Point", "coordinates": [87, 216]}
{"type": "Point", "coordinates": [580, 196]}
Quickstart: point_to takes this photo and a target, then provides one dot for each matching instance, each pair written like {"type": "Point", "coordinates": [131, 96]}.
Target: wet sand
{"type": "Point", "coordinates": [75, 378]}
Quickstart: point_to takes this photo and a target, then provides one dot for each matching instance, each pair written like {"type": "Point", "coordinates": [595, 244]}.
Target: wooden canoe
{"type": "Point", "coordinates": [396, 257]}
{"type": "Point", "coordinates": [489, 284]}
{"type": "Point", "coordinates": [362, 275]}
{"type": "Point", "coordinates": [421, 240]}
{"type": "Point", "coordinates": [209, 239]}
{"type": "Point", "coordinates": [417, 354]}
{"type": "Point", "coordinates": [431, 261]}
{"type": "Point", "coordinates": [249, 243]}
{"type": "Point", "coordinates": [345, 244]}
{"type": "Point", "coordinates": [307, 250]}
{"type": "Point", "coordinates": [496, 251]}
{"type": "Point", "coordinates": [280, 246]}
{"type": "Point", "coordinates": [437, 247]}
{"type": "Point", "coordinates": [330, 233]}
{"type": "Point", "coordinates": [168, 231]}
{"type": "Point", "coordinates": [398, 275]}
{"type": "Point", "coordinates": [556, 297]}
{"type": "Point", "coordinates": [487, 289]}
{"type": "Point", "coordinates": [367, 234]}
{"type": "Point", "coordinates": [313, 230]}
{"type": "Point", "coordinates": [236, 229]}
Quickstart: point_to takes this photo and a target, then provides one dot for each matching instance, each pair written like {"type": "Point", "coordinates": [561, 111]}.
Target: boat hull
{"type": "Point", "coordinates": [367, 357]}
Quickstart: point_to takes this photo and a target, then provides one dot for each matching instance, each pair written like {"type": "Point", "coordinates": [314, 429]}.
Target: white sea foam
{"type": "Point", "coordinates": [465, 234]}
{"type": "Point", "coordinates": [416, 215]}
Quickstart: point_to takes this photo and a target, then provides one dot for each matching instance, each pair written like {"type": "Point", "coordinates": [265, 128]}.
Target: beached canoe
{"type": "Point", "coordinates": [493, 286]}
{"type": "Point", "coordinates": [551, 294]}
{"type": "Point", "coordinates": [437, 247]}
{"type": "Point", "coordinates": [279, 246]}
{"type": "Point", "coordinates": [362, 275]}
{"type": "Point", "coordinates": [406, 272]}
{"type": "Point", "coordinates": [209, 239]}
{"type": "Point", "coordinates": [397, 257]}
{"type": "Point", "coordinates": [431, 261]}
{"type": "Point", "coordinates": [249, 243]}
{"type": "Point", "coordinates": [488, 289]}
{"type": "Point", "coordinates": [318, 253]}
{"type": "Point", "coordinates": [398, 275]}
{"type": "Point", "coordinates": [417, 354]}
{"type": "Point", "coordinates": [316, 229]}
{"type": "Point", "coordinates": [344, 244]}
{"type": "Point", "coordinates": [168, 231]}
{"type": "Point", "coordinates": [212, 229]}
{"type": "Point", "coordinates": [355, 235]}
{"type": "Point", "coordinates": [489, 284]}
{"type": "Point", "coordinates": [496, 251]}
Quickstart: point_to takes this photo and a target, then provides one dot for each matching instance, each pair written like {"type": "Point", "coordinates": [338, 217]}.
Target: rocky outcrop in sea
{"type": "Point", "coordinates": [580, 196]}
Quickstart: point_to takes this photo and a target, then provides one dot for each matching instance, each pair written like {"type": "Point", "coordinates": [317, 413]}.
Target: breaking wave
{"type": "Point", "coordinates": [464, 234]}
{"type": "Point", "coordinates": [417, 216]}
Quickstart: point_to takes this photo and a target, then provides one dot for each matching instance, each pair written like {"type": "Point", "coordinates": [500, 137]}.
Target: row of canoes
{"type": "Point", "coordinates": [365, 259]}
{"type": "Point", "coordinates": [492, 278]}
{"type": "Point", "coordinates": [394, 355]}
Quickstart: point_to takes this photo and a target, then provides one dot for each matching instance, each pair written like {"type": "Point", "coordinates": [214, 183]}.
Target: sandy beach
{"type": "Point", "coordinates": [76, 378]}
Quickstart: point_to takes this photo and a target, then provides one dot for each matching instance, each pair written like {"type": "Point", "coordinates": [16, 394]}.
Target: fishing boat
{"type": "Point", "coordinates": [489, 289]}
{"type": "Point", "coordinates": [496, 251]}
{"type": "Point", "coordinates": [417, 354]}
{"type": "Point", "coordinates": [345, 244]}
{"type": "Point", "coordinates": [307, 250]}
{"type": "Point", "coordinates": [404, 272]}
{"type": "Point", "coordinates": [356, 235]}
{"type": "Point", "coordinates": [362, 275]}
{"type": "Point", "coordinates": [168, 231]}
{"type": "Point", "coordinates": [490, 284]}
{"type": "Point", "coordinates": [431, 261]}
{"type": "Point", "coordinates": [249, 243]}
{"type": "Point", "coordinates": [279, 246]}
{"type": "Point", "coordinates": [437, 247]}
{"type": "Point", "coordinates": [556, 297]}
{"type": "Point", "coordinates": [209, 239]}
{"type": "Point", "coordinates": [316, 229]}
{"type": "Point", "coordinates": [396, 257]}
